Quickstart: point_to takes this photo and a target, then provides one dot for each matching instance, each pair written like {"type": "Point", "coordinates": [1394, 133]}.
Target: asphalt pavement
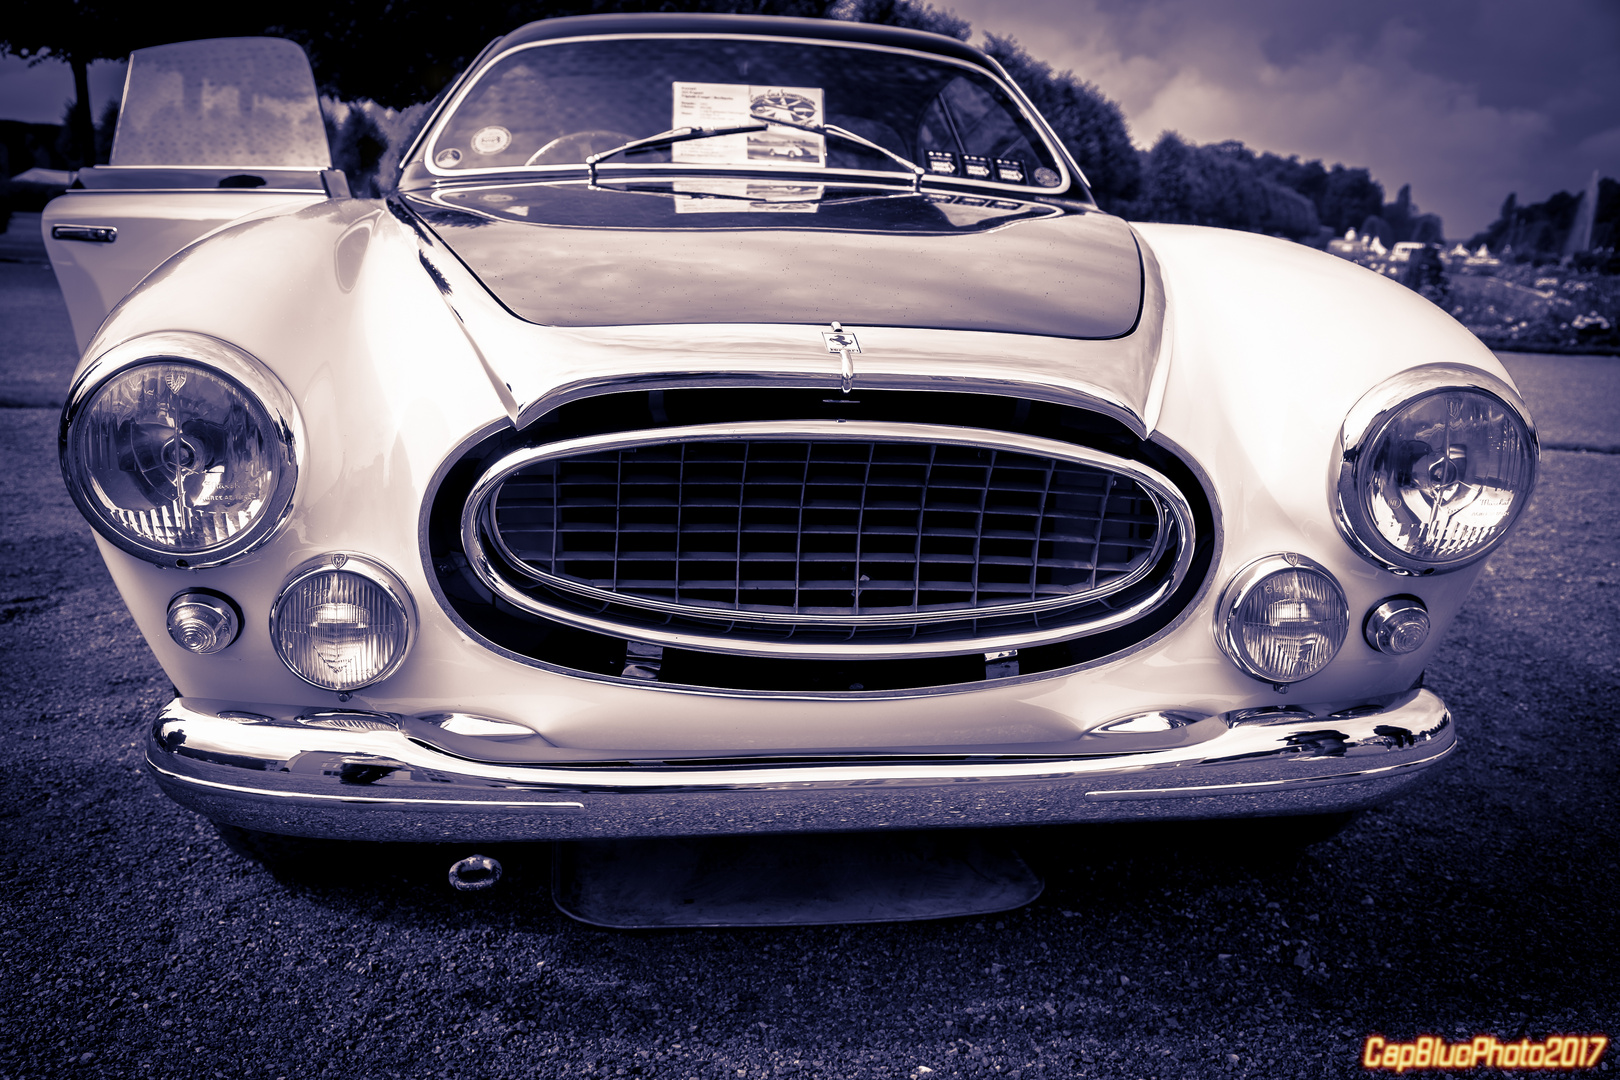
{"type": "Point", "coordinates": [133, 943]}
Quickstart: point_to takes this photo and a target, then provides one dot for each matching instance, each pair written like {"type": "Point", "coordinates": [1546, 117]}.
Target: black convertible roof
{"type": "Point", "coordinates": [768, 25]}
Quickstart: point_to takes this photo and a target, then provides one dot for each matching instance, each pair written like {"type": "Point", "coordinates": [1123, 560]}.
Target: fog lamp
{"type": "Point", "coordinates": [203, 622]}
{"type": "Point", "coordinates": [1398, 626]}
{"type": "Point", "coordinates": [1282, 618]}
{"type": "Point", "coordinates": [342, 622]}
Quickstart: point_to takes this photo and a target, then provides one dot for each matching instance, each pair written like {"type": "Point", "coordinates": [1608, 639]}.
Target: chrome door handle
{"type": "Point", "coordinates": [95, 234]}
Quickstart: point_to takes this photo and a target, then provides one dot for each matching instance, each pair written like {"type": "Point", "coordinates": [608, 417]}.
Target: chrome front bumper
{"type": "Point", "coordinates": [277, 773]}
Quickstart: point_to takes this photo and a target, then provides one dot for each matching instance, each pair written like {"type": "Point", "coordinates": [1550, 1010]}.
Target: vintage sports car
{"type": "Point", "coordinates": [735, 425]}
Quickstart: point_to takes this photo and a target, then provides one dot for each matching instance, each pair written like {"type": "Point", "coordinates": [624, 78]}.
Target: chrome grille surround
{"type": "Point", "coordinates": [991, 540]}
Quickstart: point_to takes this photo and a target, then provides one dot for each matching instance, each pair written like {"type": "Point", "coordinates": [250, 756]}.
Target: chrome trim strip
{"type": "Point", "coordinates": [362, 800]}
{"type": "Point", "coordinates": [477, 517]}
{"type": "Point", "coordinates": [248, 773]}
{"type": "Point", "coordinates": [77, 193]}
{"type": "Point", "coordinates": [477, 520]}
{"type": "Point", "coordinates": [1193, 792]}
{"type": "Point", "coordinates": [229, 361]}
{"type": "Point", "coordinates": [1365, 424]}
{"type": "Point", "coordinates": [133, 169]}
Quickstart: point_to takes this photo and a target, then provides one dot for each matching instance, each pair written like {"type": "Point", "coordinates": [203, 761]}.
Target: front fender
{"type": "Point", "coordinates": [333, 301]}
{"type": "Point", "coordinates": [1273, 343]}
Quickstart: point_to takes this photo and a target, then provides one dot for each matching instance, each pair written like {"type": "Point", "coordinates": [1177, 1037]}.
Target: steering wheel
{"type": "Point", "coordinates": [576, 146]}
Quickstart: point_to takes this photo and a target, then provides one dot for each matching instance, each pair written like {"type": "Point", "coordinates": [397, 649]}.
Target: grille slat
{"type": "Point", "coordinates": [837, 529]}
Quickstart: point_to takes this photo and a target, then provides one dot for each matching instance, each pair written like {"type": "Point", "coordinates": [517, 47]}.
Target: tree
{"type": "Point", "coordinates": [80, 32]}
{"type": "Point", "coordinates": [1399, 213]}
{"type": "Point", "coordinates": [1376, 228]}
{"type": "Point", "coordinates": [1540, 229]}
{"type": "Point", "coordinates": [903, 13]}
{"type": "Point", "coordinates": [1427, 229]}
{"type": "Point", "coordinates": [1223, 184]}
{"type": "Point", "coordinates": [1349, 197]}
{"type": "Point", "coordinates": [397, 52]}
{"type": "Point", "coordinates": [1172, 184]}
{"type": "Point", "coordinates": [77, 32]}
{"type": "Point", "coordinates": [401, 52]}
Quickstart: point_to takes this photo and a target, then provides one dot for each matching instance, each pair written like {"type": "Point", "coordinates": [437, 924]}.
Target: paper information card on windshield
{"type": "Point", "coordinates": [714, 195]}
{"type": "Point", "coordinates": [716, 105]}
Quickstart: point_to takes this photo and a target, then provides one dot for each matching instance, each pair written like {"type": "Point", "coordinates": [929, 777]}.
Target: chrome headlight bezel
{"type": "Point", "coordinates": [373, 572]}
{"type": "Point", "coordinates": [1243, 585]}
{"type": "Point", "coordinates": [223, 360]}
{"type": "Point", "coordinates": [1363, 429]}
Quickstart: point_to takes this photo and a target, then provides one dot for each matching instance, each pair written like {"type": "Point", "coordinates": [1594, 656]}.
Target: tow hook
{"type": "Point", "coordinates": [474, 873]}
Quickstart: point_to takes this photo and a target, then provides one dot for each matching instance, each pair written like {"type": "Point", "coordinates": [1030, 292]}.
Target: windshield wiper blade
{"type": "Point", "coordinates": [673, 135]}
{"type": "Point", "coordinates": [687, 134]}
{"type": "Point", "coordinates": [917, 171]}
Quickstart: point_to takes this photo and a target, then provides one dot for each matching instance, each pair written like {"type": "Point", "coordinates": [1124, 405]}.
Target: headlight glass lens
{"type": "Point", "coordinates": [339, 629]}
{"type": "Point", "coordinates": [176, 457]}
{"type": "Point", "coordinates": [1286, 619]}
{"type": "Point", "coordinates": [1447, 476]}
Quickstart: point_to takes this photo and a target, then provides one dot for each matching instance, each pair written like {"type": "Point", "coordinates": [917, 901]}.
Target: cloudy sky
{"type": "Point", "coordinates": [1466, 100]}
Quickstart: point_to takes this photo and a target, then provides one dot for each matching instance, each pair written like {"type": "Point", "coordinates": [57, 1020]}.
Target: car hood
{"type": "Point", "coordinates": [730, 251]}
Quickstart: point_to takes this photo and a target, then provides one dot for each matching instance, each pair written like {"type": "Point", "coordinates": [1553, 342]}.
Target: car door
{"type": "Point", "coordinates": [208, 132]}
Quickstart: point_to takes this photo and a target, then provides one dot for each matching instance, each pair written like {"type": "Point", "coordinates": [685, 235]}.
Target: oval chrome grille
{"type": "Point", "coordinates": [827, 537]}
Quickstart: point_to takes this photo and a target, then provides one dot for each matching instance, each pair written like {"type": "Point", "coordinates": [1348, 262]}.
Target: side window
{"type": "Point", "coordinates": [934, 131]}
{"type": "Point", "coordinates": [229, 102]}
{"type": "Point", "coordinates": [981, 122]}
{"type": "Point", "coordinates": [966, 130]}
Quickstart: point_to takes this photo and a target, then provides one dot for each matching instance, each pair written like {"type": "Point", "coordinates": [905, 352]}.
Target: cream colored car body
{"type": "Point", "coordinates": [389, 387]}
{"type": "Point", "coordinates": [1258, 349]}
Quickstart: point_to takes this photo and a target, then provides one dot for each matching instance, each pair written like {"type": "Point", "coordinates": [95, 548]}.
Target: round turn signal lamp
{"type": "Point", "coordinates": [1282, 618]}
{"type": "Point", "coordinates": [1398, 626]}
{"type": "Point", "coordinates": [202, 622]}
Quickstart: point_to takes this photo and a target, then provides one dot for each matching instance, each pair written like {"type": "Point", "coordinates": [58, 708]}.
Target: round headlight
{"type": "Point", "coordinates": [341, 622]}
{"type": "Point", "coordinates": [1433, 477]}
{"type": "Point", "coordinates": [180, 459]}
{"type": "Point", "coordinates": [1282, 618]}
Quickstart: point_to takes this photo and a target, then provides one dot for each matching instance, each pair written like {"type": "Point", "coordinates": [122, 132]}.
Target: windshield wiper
{"type": "Point", "coordinates": [673, 135]}
{"type": "Point", "coordinates": [687, 134]}
{"type": "Point", "coordinates": [917, 171]}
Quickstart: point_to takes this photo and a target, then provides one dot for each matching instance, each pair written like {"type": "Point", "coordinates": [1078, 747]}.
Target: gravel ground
{"type": "Point", "coordinates": [134, 944]}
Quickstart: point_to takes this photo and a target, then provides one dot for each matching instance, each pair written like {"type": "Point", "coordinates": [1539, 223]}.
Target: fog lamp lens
{"type": "Point", "coordinates": [203, 623]}
{"type": "Point", "coordinates": [1398, 626]}
{"type": "Point", "coordinates": [1283, 618]}
{"type": "Point", "coordinates": [341, 623]}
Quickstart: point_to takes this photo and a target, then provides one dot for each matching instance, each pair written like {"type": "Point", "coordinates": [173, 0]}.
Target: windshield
{"type": "Point", "coordinates": [557, 103]}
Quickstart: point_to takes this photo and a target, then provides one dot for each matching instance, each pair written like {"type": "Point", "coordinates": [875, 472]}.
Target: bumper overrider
{"type": "Point", "coordinates": [372, 776]}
